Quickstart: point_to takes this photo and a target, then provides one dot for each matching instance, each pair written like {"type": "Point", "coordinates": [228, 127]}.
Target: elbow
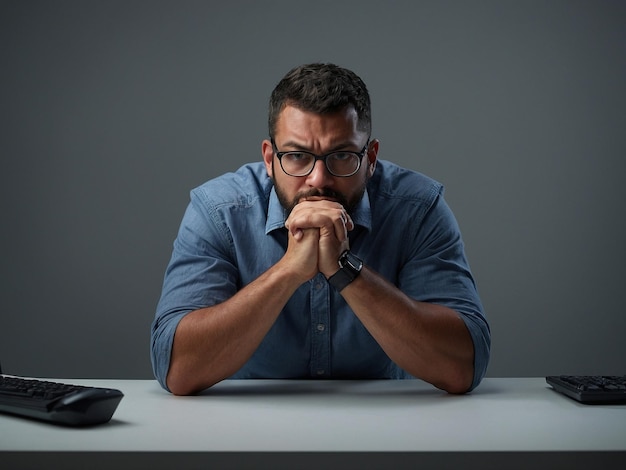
{"type": "Point", "coordinates": [458, 382]}
{"type": "Point", "coordinates": [181, 383]}
{"type": "Point", "coordinates": [457, 388]}
{"type": "Point", "coordinates": [180, 389]}
{"type": "Point", "coordinates": [177, 385]}
{"type": "Point", "coordinates": [186, 388]}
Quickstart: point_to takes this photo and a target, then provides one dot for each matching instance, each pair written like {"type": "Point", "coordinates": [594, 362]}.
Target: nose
{"type": "Point", "coordinates": [320, 177]}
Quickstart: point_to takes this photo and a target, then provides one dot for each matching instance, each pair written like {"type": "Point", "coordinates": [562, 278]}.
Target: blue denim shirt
{"type": "Point", "coordinates": [234, 230]}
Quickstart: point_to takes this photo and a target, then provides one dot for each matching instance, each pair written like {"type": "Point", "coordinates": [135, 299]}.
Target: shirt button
{"type": "Point", "coordinates": [321, 327]}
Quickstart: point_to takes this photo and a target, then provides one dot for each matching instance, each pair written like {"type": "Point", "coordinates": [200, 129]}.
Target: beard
{"type": "Point", "coordinates": [348, 204]}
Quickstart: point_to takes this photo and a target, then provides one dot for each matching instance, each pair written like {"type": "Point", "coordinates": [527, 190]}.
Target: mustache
{"type": "Point", "coordinates": [319, 192]}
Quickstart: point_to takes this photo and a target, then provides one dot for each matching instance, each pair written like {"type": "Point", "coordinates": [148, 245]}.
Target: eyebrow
{"type": "Point", "coordinates": [342, 146]}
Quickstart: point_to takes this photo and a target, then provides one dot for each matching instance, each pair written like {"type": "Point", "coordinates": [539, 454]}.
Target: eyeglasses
{"type": "Point", "coordinates": [342, 163]}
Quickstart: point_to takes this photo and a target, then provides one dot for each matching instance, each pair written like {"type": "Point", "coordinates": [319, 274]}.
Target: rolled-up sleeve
{"type": "Point", "coordinates": [438, 271]}
{"type": "Point", "coordinates": [198, 275]}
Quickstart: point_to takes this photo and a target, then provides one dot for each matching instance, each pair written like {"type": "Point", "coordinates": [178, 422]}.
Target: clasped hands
{"type": "Point", "coordinates": [318, 234]}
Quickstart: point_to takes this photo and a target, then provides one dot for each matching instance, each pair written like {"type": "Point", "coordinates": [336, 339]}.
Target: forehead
{"type": "Point", "coordinates": [308, 127]}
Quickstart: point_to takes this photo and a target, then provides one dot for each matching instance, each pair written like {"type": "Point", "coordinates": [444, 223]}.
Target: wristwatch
{"type": "Point", "coordinates": [349, 268]}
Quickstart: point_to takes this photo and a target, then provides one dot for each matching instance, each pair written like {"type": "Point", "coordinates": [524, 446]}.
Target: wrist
{"type": "Point", "coordinates": [350, 267]}
{"type": "Point", "coordinates": [293, 273]}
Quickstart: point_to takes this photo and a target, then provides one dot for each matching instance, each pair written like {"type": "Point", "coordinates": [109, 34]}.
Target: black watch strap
{"type": "Point", "coordinates": [349, 268]}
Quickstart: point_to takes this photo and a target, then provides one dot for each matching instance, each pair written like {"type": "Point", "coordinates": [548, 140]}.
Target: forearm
{"type": "Point", "coordinates": [212, 343]}
{"type": "Point", "coordinates": [429, 341]}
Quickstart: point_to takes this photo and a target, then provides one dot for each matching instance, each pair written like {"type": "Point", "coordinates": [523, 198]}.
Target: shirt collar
{"type": "Point", "coordinates": [276, 214]}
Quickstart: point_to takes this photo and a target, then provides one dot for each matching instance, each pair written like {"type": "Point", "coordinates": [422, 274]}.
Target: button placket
{"type": "Point", "coordinates": [320, 331]}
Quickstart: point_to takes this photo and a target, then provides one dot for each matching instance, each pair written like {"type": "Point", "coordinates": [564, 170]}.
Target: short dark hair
{"type": "Point", "coordinates": [321, 88]}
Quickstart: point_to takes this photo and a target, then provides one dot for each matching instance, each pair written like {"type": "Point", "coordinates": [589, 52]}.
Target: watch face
{"type": "Point", "coordinates": [352, 262]}
{"type": "Point", "coordinates": [350, 268]}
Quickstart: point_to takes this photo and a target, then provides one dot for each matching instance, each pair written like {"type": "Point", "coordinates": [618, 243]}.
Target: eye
{"type": "Point", "coordinates": [297, 156]}
{"type": "Point", "coordinates": [341, 156]}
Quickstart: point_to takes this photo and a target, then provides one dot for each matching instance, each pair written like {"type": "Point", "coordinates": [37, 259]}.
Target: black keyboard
{"type": "Point", "coordinates": [591, 389]}
{"type": "Point", "coordinates": [56, 402]}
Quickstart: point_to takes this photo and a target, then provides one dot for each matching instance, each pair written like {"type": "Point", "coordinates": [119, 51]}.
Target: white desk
{"type": "Point", "coordinates": [371, 424]}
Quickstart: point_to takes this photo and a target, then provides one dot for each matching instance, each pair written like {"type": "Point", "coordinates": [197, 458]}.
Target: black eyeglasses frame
{"type": "Point", "coordinates": [324, 158]}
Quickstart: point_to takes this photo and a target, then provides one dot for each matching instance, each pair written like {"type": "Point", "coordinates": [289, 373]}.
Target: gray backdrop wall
{"type": "Point", "coordinates": [111, 111]}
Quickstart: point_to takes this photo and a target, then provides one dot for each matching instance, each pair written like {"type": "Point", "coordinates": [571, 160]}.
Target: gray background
{"type": "Point", "coordinates": [112, 111]}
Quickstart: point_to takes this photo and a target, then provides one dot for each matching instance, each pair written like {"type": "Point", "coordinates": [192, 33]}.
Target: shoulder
{"type": "Point", "coordinates": [391, 182]}
{"type": "Point", "coordinates": [248, 185]}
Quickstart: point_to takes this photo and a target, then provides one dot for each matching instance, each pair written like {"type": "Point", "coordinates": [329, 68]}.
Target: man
{"type": "Point", "coordinates": [320, 262]}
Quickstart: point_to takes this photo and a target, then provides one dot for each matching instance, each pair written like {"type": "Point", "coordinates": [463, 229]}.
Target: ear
{"type": "Point", "coordinates": [372, 156]}
{"type": "Point", "coordinates": [267, 149]}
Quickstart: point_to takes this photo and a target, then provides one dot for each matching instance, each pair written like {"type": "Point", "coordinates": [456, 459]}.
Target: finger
{"type": "Point", "coordinates": [293, 229]}
{"type": "Point", "coordinates": [348, 221]}
{"type": "Point", "coordinates": [320, 214]}
{"type": "Point", "coordinates": [346, 224]}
